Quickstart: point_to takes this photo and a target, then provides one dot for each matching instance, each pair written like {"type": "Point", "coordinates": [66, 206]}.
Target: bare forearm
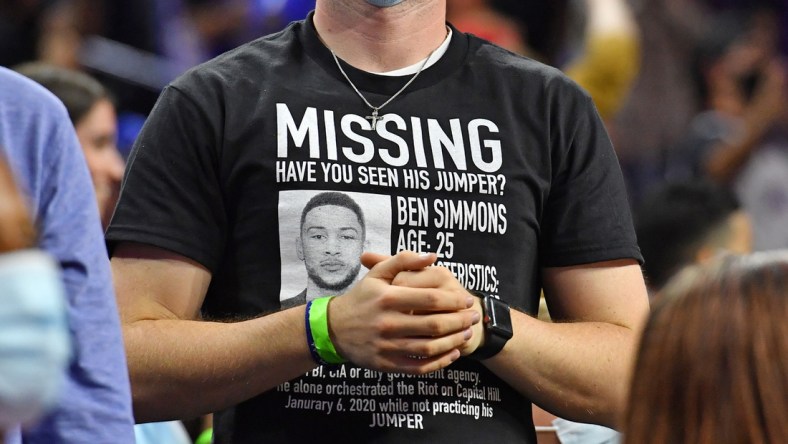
{"type": "Point", "coordinates": [183, 369]}
{"type": "Point", "coordinates": [579, 371]}
{"type": "Point", "coordinates": [765, 109]}
{"type": "Point", "coordinates": [727, 158]}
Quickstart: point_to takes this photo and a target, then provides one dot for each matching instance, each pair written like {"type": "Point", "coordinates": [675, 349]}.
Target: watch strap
{"type": "Point", "coordinates": [493, 343]}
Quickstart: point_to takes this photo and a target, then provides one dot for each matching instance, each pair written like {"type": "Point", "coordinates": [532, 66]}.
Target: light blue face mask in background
{"type": "Point", "coordinates": [35, 345]}
{"type": "Point", "coordinates": [384, 3]}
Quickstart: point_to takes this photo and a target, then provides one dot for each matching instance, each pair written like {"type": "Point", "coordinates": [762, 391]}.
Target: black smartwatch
{"type": "Point", "coordinates": [497, 324]}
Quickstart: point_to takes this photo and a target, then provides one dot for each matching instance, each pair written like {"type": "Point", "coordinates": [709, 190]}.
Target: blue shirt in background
{"type": "Point", "coordinates": [39, 142]}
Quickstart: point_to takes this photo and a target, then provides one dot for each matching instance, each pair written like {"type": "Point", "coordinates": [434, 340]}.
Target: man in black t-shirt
{"type": "Point", "coordinates": [488, 177]}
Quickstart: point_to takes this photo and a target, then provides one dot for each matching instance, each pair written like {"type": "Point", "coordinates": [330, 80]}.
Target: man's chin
{"type": "Point", "coordinates": [334, 286]}
{"type": "Point", "coordinates": [333, 282]}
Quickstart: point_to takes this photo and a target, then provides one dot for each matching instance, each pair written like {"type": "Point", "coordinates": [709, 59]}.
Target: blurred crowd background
{"type": "Point", "coordinates": [652, 66]}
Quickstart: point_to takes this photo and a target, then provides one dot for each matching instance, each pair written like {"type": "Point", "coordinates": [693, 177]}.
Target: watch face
{"type": "Point", "coordinates": [500, 318]}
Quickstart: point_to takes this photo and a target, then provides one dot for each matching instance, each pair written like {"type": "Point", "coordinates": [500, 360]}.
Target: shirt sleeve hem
{"type": "Point", "coordinates": [591, 255]}
{"type": "Point", "coordinates": [198, 254]}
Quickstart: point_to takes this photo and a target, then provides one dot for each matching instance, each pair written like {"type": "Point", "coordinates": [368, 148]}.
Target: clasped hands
{"type": "Point", "coordinates": [405, 316]}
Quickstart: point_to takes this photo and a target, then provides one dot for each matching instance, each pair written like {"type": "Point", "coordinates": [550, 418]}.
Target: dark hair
{"type": "Point", "coordinates": [721, 32]}
{"type": "Point", "coordinates": [334, 198]}
{"type": "Point", "coordinates": [77, 90]}
{"type": "Point", "coordinates": [675, 220]}
{"type": "Point", "coordinates": [712, 366]}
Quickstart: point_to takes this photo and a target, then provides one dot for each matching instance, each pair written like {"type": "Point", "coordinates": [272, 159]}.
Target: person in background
{"type": "Point", "coordinates": [687, 222]}
{"type": "Point", "coordinates": [19, 24]}
{"type": "Point", "coordinates": [43, 151]}
{"type": "Point", "coordinates": [712, 367]}
{"type": "Point", "coordinates": [741, 137]}
{"type": "Point", "coordinates": [92, 113]}
{"type": "Point", "coordinates": [608, 59]}
{"type": "Point", "coordinates": [478, 17]}
{"type": "Point", "coordinates": [544, 24]}
{"type": "Point", "coordinates": [663, 98]}
{"type": "Point", "coordinates": [34, 339]}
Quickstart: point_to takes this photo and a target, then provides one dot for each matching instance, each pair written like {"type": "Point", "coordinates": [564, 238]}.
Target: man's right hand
{"type": "Point", "coordinates": [373, 324]}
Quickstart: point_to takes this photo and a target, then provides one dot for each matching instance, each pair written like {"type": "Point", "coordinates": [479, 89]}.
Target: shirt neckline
{"type": "Point", "coordinates": [451, 60]}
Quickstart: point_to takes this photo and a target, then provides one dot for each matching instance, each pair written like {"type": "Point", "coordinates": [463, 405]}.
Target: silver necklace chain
{"type": "Point", "coordinates": [375, 117]}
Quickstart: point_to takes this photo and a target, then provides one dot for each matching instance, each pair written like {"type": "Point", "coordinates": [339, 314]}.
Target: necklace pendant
{"type": "Point", "coordinates": [374, 118]}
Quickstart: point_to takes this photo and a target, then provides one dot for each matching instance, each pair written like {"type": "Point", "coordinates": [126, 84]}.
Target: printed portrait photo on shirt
{"type": "Point", "coordinates": [321, 237]}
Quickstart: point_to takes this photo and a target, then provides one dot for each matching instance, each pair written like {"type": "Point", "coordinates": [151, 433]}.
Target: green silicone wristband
{"type": "Point", "coordinates": [206, 437]}
{"type": "Point", "coordinates": [318, 322]}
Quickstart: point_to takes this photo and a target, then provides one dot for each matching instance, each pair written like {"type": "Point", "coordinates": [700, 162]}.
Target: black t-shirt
{"type": "Point", "coordinates": [499, 164]}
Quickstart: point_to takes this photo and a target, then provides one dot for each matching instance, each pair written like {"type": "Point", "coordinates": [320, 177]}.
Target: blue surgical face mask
{"type": "Point", "coordinates": [384, 3]}
{"type": "Point", "coordinates": [34, 336]}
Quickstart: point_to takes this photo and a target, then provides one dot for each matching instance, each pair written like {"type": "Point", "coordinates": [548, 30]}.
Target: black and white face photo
{"type": "Point", "coordinates": [331, 243]}
{"type": "Point", "coordinates": [322, 235]}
